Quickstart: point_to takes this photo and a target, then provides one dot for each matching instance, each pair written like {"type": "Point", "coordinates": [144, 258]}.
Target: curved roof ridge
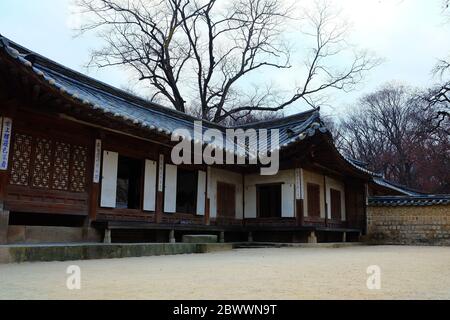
{"type": "Point", "coordinates": [54, 66]}
{"type": "Point", "coordinates": [282, 121]}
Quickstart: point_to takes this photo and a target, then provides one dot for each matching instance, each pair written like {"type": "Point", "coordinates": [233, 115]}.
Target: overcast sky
{"type": "Point", "coordinates": [408, 34]}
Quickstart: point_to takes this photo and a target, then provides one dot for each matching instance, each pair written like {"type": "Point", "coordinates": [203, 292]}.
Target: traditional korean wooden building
{"type": "Point", "coordinates": [78, 154]}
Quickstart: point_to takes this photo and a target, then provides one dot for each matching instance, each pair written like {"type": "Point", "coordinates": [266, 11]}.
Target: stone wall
{"type": "Point", "coordinates": [420, 225]}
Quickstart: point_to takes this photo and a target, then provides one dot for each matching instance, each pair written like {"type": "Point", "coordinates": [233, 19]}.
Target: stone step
{"type": "Point", "coordinates": [200, 238]}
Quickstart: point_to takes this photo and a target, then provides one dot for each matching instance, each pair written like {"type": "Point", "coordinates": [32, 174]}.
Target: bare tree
{"type": "Point", "coordinates": [437, 107]}
{"type": "Point", "coordinates": [198, 52]}
{"type": "Point", "coordinates": [438, 98]}
{"type": "Point", "coordinates": [390, 131]}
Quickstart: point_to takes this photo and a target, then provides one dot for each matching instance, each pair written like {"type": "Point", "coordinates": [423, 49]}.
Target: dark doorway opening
{"type": "Point", "coordinates": [269, 201]}
{"type": "Point", "coordinates": [129, 174]}
{"type": "Point", "coordinates": [187, 181]}
{"type": "Point", "coordinates": [336, 210]}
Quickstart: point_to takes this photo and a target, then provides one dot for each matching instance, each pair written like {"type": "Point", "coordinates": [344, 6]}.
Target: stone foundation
{"type": "Point", "coordinates": [34, 253]}
{"type": "Point", "coordinates": [45, 234]}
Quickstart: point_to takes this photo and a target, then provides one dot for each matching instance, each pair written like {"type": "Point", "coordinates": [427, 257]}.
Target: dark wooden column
{"type": "Point", "coordinates": [3, 184]}
{"type": "Point", "coordinates": [325, 199]}
{"type": "Point", "coordinates": [4, 224]}
{"type": "Point", "coordinates": [300, 214]}
{"type": "Point", "coordinates": [207, 211]}
{"type": "Point", "coordinates": [159, 190]}
{"type": "Point", "coordinates": [207, 200]}
{"type": "Point", "coordinates": [96, 177]}
{"type": "Point", "coordinates": [299, 194]}
{"type": "Point", "coordinates": [366, 204]}
{"type": "Point", "coordinates": [4, 179]}
{"type": "Point", "coordinates": [93, 201]}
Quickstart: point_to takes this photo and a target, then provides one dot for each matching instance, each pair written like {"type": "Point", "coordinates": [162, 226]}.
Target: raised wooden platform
{"type": "Point", "coordinates": [132, 225]}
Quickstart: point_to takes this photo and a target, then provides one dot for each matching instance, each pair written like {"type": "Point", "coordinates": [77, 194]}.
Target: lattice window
{"type": "Point", "coordinates": [48, 164]}
{"type": "Point", "coordinates": [42, 163]}
{"type": "Point", "coordinates": [61, 166]}
{"type": "Point", "coordinates": [20, 168]}
{"type": "Point", "coordinates": [79, 164]}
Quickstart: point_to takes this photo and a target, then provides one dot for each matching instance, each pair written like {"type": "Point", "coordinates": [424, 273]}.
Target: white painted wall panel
{"type": "Point", "coordinates": [287, 200]}
{"type": "Point", "coordinates": [250, 202]}
{"type": "Point", "coordinates": [109, 179]}
{"type": "Point", "coordinates": [201, 193]}
{"type": "Point", "coordinates": [170, 189]}
{"type": "Point", "coordinates": [150, 185]}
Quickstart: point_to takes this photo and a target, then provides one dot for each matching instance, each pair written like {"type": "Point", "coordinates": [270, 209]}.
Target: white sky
{"type": "Point", "coordinates": [410, 35]}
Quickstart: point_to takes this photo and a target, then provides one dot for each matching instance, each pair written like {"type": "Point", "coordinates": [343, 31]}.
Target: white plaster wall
{"type": "Point", "coordinates": [337, 185]}
{"type": "Point", "coordinates": [312, 177]}
{"type": "Point", "coordinates": [283, 176]}
{"type": "Point", "coordinates": [219, 175]}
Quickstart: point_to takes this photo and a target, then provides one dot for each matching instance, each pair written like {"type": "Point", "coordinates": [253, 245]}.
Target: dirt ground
{"type": "Point", "coordinates": [275, 273]}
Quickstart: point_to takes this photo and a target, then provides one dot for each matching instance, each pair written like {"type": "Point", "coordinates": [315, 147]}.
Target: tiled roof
{"type": "Point", "coordinates": [148, 115]}
{"type": "Point", "coordinates": [378, 179]}
{"type": "Point", "coordinates": [418, 200]}
{"type": "Point", "coordinates": [152, 117]}
{"type": "Point", "coordinates": [394, 186]}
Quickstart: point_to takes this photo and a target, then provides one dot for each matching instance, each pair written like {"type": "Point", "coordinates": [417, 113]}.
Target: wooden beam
{"type": "Point", "coordinates": [36, 93]}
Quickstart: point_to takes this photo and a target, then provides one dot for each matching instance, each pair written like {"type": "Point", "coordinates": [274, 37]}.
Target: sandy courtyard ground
{"type": "Point", "coordinates": [285, 273]}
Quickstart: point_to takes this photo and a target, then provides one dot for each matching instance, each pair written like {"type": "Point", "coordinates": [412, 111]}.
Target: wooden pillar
{"type": "Point", "coordinates": [159, 192]}
{"type": "Point", "coordinates": [159, 206]}
{"type": "Point", "coordinates": [93, 201]}
{"type": "Point", "coordinates": [300, 214]}
{"type": "Point", "coordinates": [94, 193]}
{"type": "Point", "coordinates": [325, 199]}
{"type": "Point", "coordinates": [3, 184]}
{"type": "Point", "coordinates": [95, 187]}
{"type": "Point", "coordinates": [366, 204]}
{"type": "Point", "coordinates": [93, 206]}
{"type": "Point", "coordinates": [5, 144]}
{"type": "Point", "coordinates": [207, 218]}
{"type": "Point", "coordinates": [4, 223]}
{"type": "Point", "coordinates": [299, 196]}
{"type": "Point", "coordinates": [5, 159]}
{"type": "Point", "coordinates": [344, 236]}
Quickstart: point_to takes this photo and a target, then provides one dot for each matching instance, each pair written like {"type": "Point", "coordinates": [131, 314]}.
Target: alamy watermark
{"type": "Point", "coordinates": [237, 146]}
{"type": "Point", "coordinates": [73, 281]}
{"type": "Point", "coordinates": [374, 280]}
